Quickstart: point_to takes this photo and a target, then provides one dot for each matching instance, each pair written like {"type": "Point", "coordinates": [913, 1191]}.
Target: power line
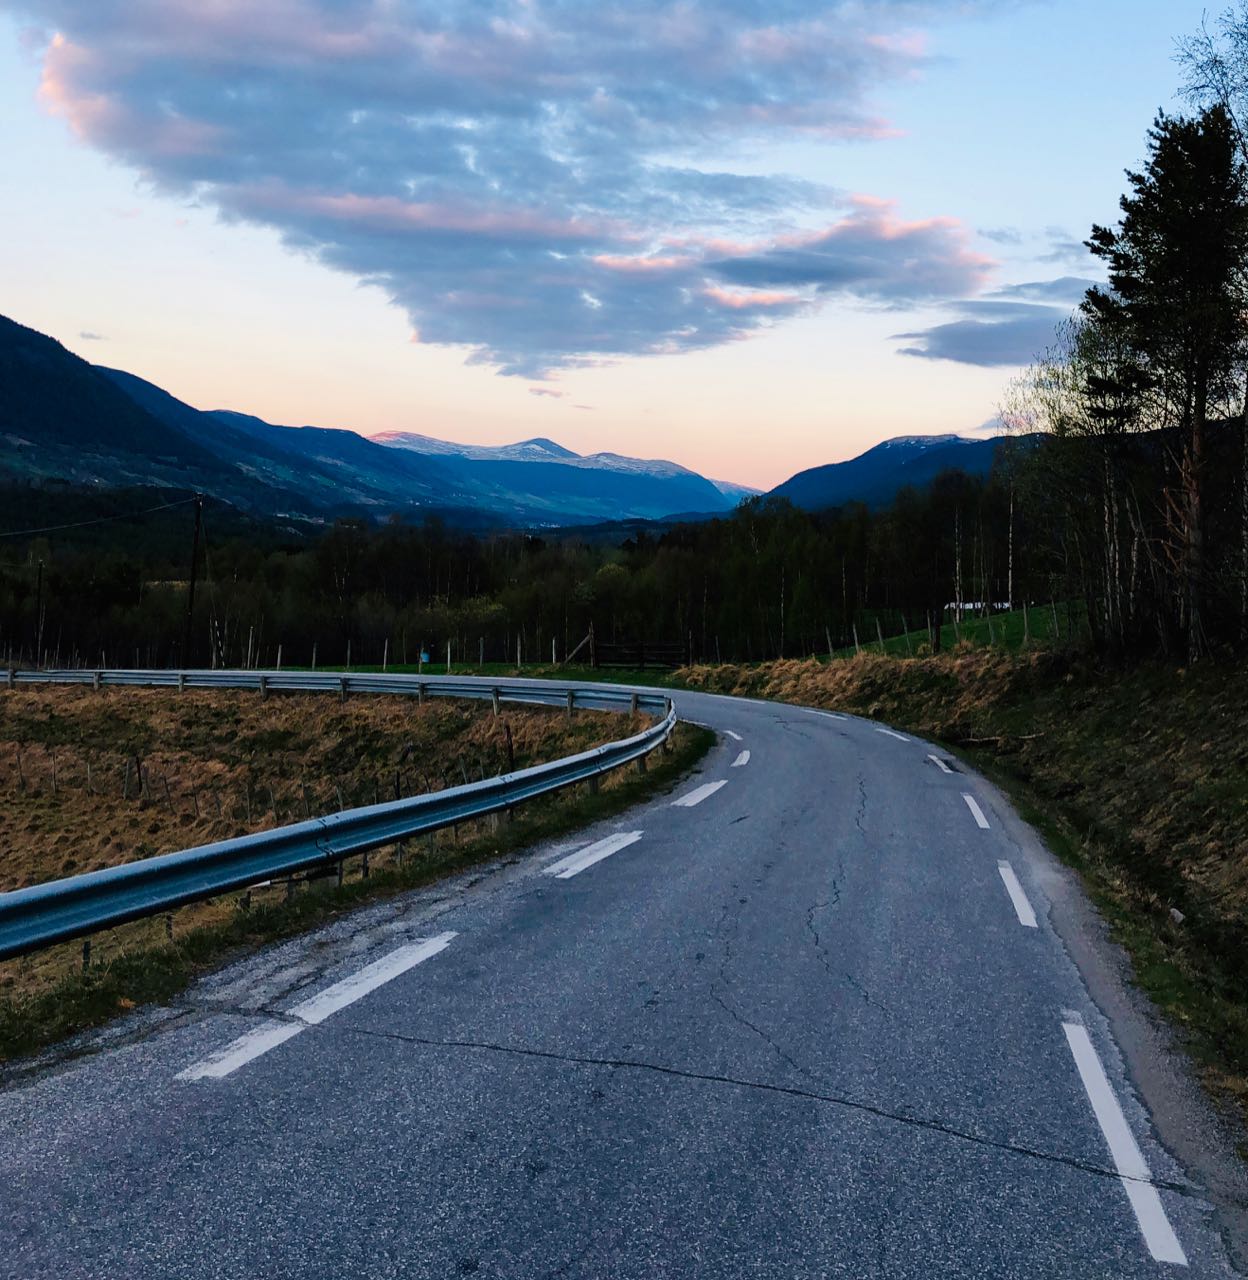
{"type": "Point", "coordinates": [82, 524]}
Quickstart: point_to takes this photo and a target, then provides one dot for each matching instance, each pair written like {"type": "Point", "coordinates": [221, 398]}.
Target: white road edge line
{"type": "Point", "coordinates": [310, 1012]}
{"type": "Point", "coordinates": [741, 760]}
{"type": "Point", "coordinates": [577, 862]}
{"type": "Point", "coordinates": [1022, 908]}
{"type": "Point", "coordinates": [1132, 1168]}
{"type": "Point", "coordinates": [892, 733]}
{"type": "Point", "coordinates": [698, 794]}
{"type": "Point", "coordinates": [736, 737]}
{"type": "Point", "coordinates": [940, 764]}
{"type": "Point", "coordinates": [976, 811]}
{"type": "Point", "coordinates": [827, 715]}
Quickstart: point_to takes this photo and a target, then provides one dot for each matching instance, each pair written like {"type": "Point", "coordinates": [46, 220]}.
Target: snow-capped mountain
{"type": "Point", "coordinates": [645, 484]}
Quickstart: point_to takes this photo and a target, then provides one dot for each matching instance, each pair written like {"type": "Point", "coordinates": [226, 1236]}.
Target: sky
{"type": "Point", "coordinates": [750, 237]}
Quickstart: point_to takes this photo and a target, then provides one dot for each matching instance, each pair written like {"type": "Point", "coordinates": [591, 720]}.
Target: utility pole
{"type": "Point", "coordinates": [190, 595]}
{"type": "Point", "coordinates": [39, 619]}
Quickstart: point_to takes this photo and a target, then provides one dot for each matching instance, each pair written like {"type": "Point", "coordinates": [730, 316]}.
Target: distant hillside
{"type": "Point", "coordinates": [61, 418]}
{"type": "Point", "coordinates": [64, 420]}
{"type": "Point", "coordinates": [876, 477]}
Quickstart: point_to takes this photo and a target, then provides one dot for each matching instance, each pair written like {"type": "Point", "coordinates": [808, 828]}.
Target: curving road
{"type": "Point", "coordinates": [826, 1010]}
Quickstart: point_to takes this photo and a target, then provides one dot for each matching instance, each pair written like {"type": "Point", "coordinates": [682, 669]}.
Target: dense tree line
{"type": "Point", "coordinates": [769, 581]}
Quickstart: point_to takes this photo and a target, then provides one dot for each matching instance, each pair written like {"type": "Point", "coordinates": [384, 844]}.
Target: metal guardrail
{"type": "Point", "coordinates": [58, 910]}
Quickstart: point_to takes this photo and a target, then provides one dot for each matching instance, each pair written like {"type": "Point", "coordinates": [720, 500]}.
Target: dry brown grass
{"type": "Point", "coordinates": [93, 779]}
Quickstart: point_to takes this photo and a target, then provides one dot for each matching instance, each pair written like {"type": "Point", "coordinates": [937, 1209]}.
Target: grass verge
{"type": "Point", "coordinates": [157, 972]}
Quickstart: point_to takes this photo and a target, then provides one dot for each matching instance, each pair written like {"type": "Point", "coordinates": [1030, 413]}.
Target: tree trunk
{"type": "Point", "coordinates": [1193, 532]}
{"type": "Point", "coordinates": [1243, 519]}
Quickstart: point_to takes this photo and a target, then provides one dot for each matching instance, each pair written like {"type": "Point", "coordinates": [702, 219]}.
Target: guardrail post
{"type": "Point", "coordinates": [420, 693]}
{"type": "Point", "coordinates": [95, 680]}
{"type": "Point", "coordinates": [342, 689]}
{"type": "Point", "coordinates": [13, 677]}
{"type": "Point", "coordinates": [264, 688]}
{"type": "Point", "coordinates": [632, 705]}
{"type": "Point", "coordinates": [592, 783]}
{"type": "Point", "coordinates": [494, 693]}
{"type": "Point", "coordinates": [181, 681]}
{"type": "Point", "coordinates": [571, 701]}
{"type": "Point", "coordinates": [641, 764]}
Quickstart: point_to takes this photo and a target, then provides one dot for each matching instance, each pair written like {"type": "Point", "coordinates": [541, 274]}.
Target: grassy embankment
{"type": "Point", "coordinates": [91, 779]}
{"type": "Point", "coordinates": [1139, 779]}
{"type": "Point", "coordinates": [1019, 629]}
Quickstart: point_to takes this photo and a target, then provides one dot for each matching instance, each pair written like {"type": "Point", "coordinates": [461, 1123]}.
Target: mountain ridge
{"type": "Point", "coordinates": [66, 421]}
{"type": "Point", "coordinates": [875, 477]}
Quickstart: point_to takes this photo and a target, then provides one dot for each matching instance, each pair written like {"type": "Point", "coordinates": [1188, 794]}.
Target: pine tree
{"type": "Point", "coordinates": [1177, 292]}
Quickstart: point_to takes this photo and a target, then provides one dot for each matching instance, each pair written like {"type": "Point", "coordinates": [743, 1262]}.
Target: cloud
{"type": "Point", "coordinates": [547, 391]}
{"type": "Point", "coordinates": [523, 176]}
{"type": "Point", "coordinates": [869, 253]}
{"type": "Point", "coordinates": [1065, 289]}
{"type": "Point", "coordinates": [1002, 235]}
{"type": "Point", "coordinates": [1013, 326]}
{"type": "Point", "coordinates": [87, 336]}
{"type": "Point", "coordinates": [1064, 249]}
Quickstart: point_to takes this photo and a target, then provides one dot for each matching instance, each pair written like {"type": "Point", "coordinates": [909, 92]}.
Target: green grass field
{"type": "Point", "coordinates": [1014, 630]}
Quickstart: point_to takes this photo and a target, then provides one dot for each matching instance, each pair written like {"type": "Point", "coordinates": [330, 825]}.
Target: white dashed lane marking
{"type": "Point", "coordinates": [1022, 908]}
{"type": "Point", "coordinates": [577, 862]}
{"type": "Point", "coordinates": [742, 759]}
{"type": "Point", "coordinates": [698, 794]}
{"type": "Point", "coordinates": [315, 1009]}
{"type": "Point", "coordinates": [976, 812]}
{"type": "Point", "coordinates": [892, 733]}
{"type": "Point", "coordinates": [940, 764]}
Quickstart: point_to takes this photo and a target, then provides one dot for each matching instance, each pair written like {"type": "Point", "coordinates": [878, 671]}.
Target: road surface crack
{"type": "Point", "coordinates": [826, 960]}
{"type": "Point", "coordinates": [727, 931]}
{"type": "Point", "coordinates": [788, 1091]}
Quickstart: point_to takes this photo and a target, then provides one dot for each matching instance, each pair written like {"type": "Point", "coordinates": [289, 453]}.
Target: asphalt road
{"type": "Point", "coordinates": [841, 1016]}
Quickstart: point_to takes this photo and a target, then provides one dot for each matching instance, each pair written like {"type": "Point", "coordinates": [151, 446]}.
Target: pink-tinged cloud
{"type": "Point", "coordinates": [750, 299]}
{"type": "Point", "coordinates": [547, 391]}
{"type": "Point", "coordinates": [393, 214]}
{"type": "Point", "coordinates": [870, 252]}
{"type": "Point", "coordinates": [640, 266]}
{"type": "Point", "coordinates": [107, 121]}
{"type": "Point", "coordinates": [504, 171]}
